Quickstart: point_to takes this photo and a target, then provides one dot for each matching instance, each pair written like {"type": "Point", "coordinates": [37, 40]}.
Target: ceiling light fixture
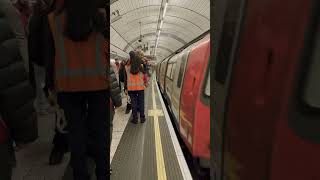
{"type": "Point", "coordinates": [160, 26]}
{"type": "Point", "coordinates": [165, 10]}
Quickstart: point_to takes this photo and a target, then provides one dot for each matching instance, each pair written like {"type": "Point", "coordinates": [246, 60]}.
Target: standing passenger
{"type": "Point", "coordinates": [135, 85]}
{"type": "Point", "coordinates": [40, 53]}
{"type": "Point", "coordinates": [81, 81]}
{"type": "Point", "coordinates": [122, 71]}
{"type": "Point", "coordinates": [18, 120]}
{"type": "Point", "coordinates": [129, 107]}
{"type": "Point", "coordinates": [116, 100]}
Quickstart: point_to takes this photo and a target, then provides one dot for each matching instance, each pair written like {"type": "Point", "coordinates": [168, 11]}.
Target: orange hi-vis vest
{"type": "Point", "coordinates": [134, 81]}
{"type": "Point", "coordinates": [79, 66]}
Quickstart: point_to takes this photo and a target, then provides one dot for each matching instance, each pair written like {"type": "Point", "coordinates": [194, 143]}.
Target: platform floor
{"type": "Point", "coordinates": [32, 162]}
{"type": "Point", "coordinates": [150, 151]}
{"type": "Point", "coordinates": [146, 151]}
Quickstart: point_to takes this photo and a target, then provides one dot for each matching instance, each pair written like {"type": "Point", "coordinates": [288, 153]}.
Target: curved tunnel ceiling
{"type": "Point", "coordinates": [184, 20]}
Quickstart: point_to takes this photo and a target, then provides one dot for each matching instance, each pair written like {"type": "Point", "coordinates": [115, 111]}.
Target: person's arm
{"type": "Point", "coordinates": [35, 37]}
{"type": "Point", "coordinates": [115, 90]}
{"type": "Point", "coordinates": [125, 80]}
{"type": "Point", "coordinates": [49, 53]}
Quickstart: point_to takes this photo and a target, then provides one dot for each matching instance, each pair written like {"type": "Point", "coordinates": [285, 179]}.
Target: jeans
{"type": "Point", "coordinates": [88, 114]}
{"type": "Point", "coordinates": [137, 101]}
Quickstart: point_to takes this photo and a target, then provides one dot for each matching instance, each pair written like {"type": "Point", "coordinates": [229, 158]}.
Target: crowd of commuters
{"type": "Point", "coordinates": [59, 63]}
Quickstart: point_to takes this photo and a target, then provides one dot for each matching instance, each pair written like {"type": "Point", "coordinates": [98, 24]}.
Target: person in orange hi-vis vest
{"type": "Point", "coordinates": [81, 81]}
{"type": "Point", "coordinates": [135, 85]}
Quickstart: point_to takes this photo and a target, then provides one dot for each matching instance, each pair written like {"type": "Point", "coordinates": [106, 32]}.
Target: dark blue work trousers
{"type": "Point", "coordinates": [137, 102]}
{"type": "Point", "coordinates": [87, 114]}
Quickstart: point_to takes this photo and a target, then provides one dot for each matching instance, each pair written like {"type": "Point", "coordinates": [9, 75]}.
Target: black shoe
{"type": "Point", "coordinates": [134, 121]}
{"type": "Point", "coordinates": [56, 156]}
{"type": "Point", "coordinates": [128, 108]}
{"type": "Point", "coordinates": [143, 120]}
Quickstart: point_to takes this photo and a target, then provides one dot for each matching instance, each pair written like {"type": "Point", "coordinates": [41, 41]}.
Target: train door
{"type": "Point", "coordinates": [177, 84]}
{"type": "Point", "coordinates": [158, 71]}
{"type": "Point", "coordinates": [193, 78]}
{"type": "Point", "coordinates": [269, 132]}
{"type": "Point", "coordinates": [227, 19]}
{"type": "Point", "coordinates": [162, 75]}
{"type": "Point", "coordinates": [202, 118]}
{"type": "Point", "coordinates": [171, 68]}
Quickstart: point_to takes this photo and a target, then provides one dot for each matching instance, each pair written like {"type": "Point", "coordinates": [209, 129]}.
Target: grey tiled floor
{"type": "Point", "coordinates": [119, 124]}
{"type": "Point", "coordinates": [32, 162]}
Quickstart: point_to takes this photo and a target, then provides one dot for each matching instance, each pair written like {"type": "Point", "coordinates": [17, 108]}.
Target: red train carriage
{"type": "Point", "coordinates": [184, 80]}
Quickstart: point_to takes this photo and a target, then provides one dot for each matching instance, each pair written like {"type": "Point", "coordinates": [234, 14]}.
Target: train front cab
{"type": "Point", "coordinates": [195, 102]}
{"type": "Point", "coordinates": [271, 125]}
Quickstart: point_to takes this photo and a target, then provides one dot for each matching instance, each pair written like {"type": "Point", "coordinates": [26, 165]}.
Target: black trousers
{"type": "Point", "coordinates": [88, 114]}
{"type": "Point", "coordinates": [60, 141]}
{"type": "Point", "coordinates": [7, 160]}
{"type": "Point", "coordinates": [137, 102]}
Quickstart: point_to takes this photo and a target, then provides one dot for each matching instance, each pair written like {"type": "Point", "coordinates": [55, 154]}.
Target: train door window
{"type": "Point", "coordinates": [311, 93]}
{"type": "Point", "coordinates": [173, 70]}
{"type": "Point", "coordinates": [305, 111]}
{"type": "Point", "coordinates": [228, 39]}
{"type": "Point", "coordinates": [205, 97]}
{"type": "Point", "coordinates": [169, 70]}
{"type": "Point", "coordinates": [182, 67]}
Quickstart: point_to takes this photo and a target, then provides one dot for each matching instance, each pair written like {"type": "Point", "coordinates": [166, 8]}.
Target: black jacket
{"type": "Point", "coordinates": [40, 41]}
{"type": "Point", "coordinates": [115, 90]}
{"type": "Point", "coordinates": [16, 93]}
{"type": "Point", "coordinates": [122, 72]}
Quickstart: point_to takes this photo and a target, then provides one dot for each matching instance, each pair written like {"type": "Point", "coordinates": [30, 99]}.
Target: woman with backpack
{"type": "Point", "coordinates": [135, 84]}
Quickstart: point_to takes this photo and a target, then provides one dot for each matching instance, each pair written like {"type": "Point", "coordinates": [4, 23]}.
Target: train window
{"type": "Point", "coordinates": [311, 92]}
{"type": "Point", "coordinates": [169, 70]}
{"type": "Point", "coordinates": [207, 86]}
{"type": "Point", "coordinates": [228, 39]}
{"type": "Point", "coordinates": [173, 70]}
{"type": "Point", "coordinates": [182, 66]}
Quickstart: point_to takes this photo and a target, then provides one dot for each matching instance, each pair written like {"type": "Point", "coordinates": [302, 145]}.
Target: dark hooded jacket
{"type": "Point", "coordinates": [16, 93]}
{"type": "Point", "coordinates": [115, 90]}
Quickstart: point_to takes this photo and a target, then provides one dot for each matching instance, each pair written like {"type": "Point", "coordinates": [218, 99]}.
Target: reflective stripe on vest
{"type": "Point", "coordinates": [134, 85]}
{"type": "Point", "coordinates": [64, 71]}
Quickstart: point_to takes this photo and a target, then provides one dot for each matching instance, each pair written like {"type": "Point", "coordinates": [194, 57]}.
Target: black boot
{"type": "Point", "coordinates": [128, 108]}
{"type": "Point", "coordinates": [56, 156]}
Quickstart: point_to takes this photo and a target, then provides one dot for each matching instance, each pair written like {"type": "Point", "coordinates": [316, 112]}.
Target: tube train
{"type": "Point", "coordinates": [266, 114]}
{"type": "Point", "coordinates": [184, 81]}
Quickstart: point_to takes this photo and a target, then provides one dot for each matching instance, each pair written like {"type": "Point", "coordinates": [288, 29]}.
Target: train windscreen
{"type": "Point", "coordinates": [311, 94]}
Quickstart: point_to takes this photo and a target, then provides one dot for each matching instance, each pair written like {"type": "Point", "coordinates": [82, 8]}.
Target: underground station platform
{"type": "Point", "coordinates": [150, 151]}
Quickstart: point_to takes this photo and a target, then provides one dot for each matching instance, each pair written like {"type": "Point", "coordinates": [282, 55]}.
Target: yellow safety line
{"type": "Point", "coordinates": [161, 170]}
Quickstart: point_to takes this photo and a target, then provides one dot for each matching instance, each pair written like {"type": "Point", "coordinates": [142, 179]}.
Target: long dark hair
{"type": "Point", "coordinates": [83, 18]}
{"type": "Point", "coordinates": [135, 63]}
